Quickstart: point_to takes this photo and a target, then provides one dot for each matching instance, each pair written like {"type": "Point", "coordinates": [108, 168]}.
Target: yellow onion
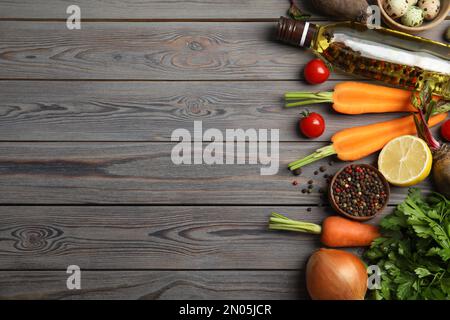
{"type": "Point", "coordinates": [336, 275]}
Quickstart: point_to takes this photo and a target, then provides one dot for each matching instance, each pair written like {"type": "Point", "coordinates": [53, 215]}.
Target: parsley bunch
{"type": "Point", "coordinates": [414, 250]}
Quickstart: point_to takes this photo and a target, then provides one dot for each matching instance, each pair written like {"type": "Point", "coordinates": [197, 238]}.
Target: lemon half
{"type": "Point", "coordinates": [405, 161]}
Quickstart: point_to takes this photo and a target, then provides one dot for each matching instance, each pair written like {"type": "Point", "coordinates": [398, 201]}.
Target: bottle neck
{"type": "Point", "coordinates": [297, 33]}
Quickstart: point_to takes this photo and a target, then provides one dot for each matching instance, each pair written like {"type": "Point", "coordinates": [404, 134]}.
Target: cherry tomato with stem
{"type": "Point", "coordinates": [445, 130]}
{"type": "Point", "coordinates": [311, 124]}
{"type": "Point", "coordinates": [316, 71]}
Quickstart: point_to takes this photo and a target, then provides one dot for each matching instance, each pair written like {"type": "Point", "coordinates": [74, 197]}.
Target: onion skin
{"type": "Point", "coordinates": [335, 275]}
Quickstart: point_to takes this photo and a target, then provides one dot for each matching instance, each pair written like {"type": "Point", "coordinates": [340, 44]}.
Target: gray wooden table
{"type": "Point", "coordinates": [86, 176]}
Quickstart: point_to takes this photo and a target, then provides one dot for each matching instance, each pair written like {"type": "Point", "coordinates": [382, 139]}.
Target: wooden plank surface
{"type": "Point", "coordinates": [152, 51]}
{"type": "Point", "coordinates": [155, 237]}
{"type": "Point", "coordinates": [143, 173]}
{"type": "Point", "coordinates": [150, 9]}
{"type": "Point", "coordinates": [155, 285]}
{"type": "Point", "coordinates": [85, 170]}
{"type": "Point", "coordinates": [142, 111]}
{"type": "Point", "coordinates": [154, 9]}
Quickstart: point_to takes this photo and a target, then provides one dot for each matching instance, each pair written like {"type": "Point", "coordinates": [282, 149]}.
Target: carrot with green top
{"type": "Point", "coordinates": [356, 143]}
{"type": "Point", "coordinates": [357, 98]}
{"type": "Point", "coordinates": [334, 232]}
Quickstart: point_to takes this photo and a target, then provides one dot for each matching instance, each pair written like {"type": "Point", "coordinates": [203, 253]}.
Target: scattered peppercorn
{"type": "Point", "coordinates": [310, 186]}
{"type": "Point", "coordinates": [359, 191]}
{"type": "Point", "coordinates": [329, 178]}
{"type": "Point", "coordinates": [309, 190]}
{"type": "Point", "coordinates": [322, 169]}
{"type": "Point", "coordinates": [304, 191]}
{"type": "Point", "coordinates": [309, 209]}
{"type": "Point", "coordinates": [294, 183]}
{"type": "Point", "coordinates": [316, 173]}
{"type": "Point", "coordinates": [310, 182]}
{"type": "Point", "coordinates": [298, 171]}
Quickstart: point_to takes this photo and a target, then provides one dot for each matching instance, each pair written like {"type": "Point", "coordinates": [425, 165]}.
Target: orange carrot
{"type": "Point", "coordinates": [341, 232]}
{"type": "Point", "coordinates": [357, 98]}
{"type": "Point", "coordinates": [335, 231]}
{"type": "Point", "coordinates": [358, 142]}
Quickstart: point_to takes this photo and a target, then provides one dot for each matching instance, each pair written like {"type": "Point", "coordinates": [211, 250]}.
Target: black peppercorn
{"type": "Point", "coordinates": [359, 191]}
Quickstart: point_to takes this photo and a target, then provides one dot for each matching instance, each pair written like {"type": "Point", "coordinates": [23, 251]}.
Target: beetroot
{"type": "Point", "coordinates": [441, 170]}
{"type": "Point", "coordinates": [343, 9]}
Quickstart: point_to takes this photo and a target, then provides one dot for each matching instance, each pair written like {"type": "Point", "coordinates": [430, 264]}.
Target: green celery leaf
{"type": "Point", "coordinates": [405, 290]}
{"type": "Point", "coordinates": [393, 222]}
{"type": "Point", "coordinates": [433, 214]}
{"type": "Point", "coordinates": [414, 249]}
{"type": "Point", "coordinates": [434, 251]}
{"type": "Point", "coordinates": [444, 254]}
{"type": "Point", "coordinates": [423, 230]}
{"type": "Point", "coordinates": [445, 285]}
{"type": "Point", "coordinates": [422, 272]}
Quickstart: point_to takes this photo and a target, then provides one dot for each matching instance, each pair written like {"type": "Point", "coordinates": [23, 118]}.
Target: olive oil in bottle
{"type": "Point", "coordinates": [392, 57]}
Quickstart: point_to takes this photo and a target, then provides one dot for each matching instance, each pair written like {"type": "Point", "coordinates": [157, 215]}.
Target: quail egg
{"type": "Point", "coordinates": [413, 17]}
{"type": "Point", "coordinates": [412, 2]}
{"type": "Point", "coordinates": [396, 8]}
{"type": "Point", "coordinates": [430, 8]}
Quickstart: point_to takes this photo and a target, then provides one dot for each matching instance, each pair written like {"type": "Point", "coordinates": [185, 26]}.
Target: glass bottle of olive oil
{"type": "Point", "coordinates": [385, 55]}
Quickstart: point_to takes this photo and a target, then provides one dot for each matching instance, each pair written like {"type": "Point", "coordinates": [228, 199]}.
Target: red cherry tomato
{"type": "Point", "coordinates": [445, 130]}
{"type": "Point", "coordinates": [312, 125]}
{"type": "Point", "coordinates": [316, 71]}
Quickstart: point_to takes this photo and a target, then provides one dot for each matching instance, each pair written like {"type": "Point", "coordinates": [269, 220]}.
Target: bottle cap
{"type": "Point", "coordinates": [299, 33]}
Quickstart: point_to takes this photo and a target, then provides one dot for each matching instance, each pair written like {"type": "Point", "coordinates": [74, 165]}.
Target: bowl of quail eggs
{"type": "Point", "coordinates": [413, 16]}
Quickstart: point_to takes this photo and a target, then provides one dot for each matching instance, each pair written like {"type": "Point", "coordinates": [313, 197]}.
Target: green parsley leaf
{"type": "Point", "coordinates": [414, 251]}
{"type": "Point", "coordinates": [422, 272]}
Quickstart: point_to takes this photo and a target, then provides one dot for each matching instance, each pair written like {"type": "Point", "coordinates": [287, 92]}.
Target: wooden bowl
{"type": "Point", "coordinates": [443, 13]}
{"type": "Point", "coordinates": [345, 214]}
